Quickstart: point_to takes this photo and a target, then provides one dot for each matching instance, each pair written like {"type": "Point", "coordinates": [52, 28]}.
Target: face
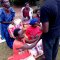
{"type": "Point", "coordinates": [27, 5]}
{"type": "Point", "coordinates": [21, 34]}
{"type": "Point", "coordinates": [38, 12]}
{"type": "Point", "coordinates": [6, 4]}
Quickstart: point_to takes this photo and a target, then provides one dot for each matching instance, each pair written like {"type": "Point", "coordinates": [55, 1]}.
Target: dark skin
{"type": "Point", "coordinates": [26, 46]}
{"type": "Point", "coordinates": [33, 38]}
{"type": "Point", "coordinates": [6, 10]}
{"type": "Point", "coordinates": [45, 27]}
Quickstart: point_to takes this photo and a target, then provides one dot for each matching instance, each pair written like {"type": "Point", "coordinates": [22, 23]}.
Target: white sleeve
{"type": "Point", "coordinates": [31, 13]}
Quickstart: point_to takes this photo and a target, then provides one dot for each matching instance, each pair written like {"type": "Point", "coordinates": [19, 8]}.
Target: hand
{"type": "Point", "coordinates": [37, 37]}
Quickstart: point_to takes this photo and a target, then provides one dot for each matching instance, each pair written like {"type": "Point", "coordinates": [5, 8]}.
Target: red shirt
{"type": "Point", "coordinates": [18, 53]}
{"type": "Point", "coordinates": [31, 31]}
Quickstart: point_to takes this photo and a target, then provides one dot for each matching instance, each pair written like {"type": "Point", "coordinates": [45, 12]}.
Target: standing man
{"type": "Point", "coordinates": [51, 28]}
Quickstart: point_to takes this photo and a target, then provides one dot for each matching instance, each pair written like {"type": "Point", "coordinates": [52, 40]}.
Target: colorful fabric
{"type": "Point", "coordinates": [31, 31]}
{"type": "Point", "coordinates": [6, 18]}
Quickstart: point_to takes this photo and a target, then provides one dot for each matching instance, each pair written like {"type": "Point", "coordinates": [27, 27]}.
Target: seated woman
{"type": "Point", "coordinates": [27, 12]}
{"type": "Point", "coordinates": [20, 48]}
{"type": "Point", "coordinates": [31, 32]}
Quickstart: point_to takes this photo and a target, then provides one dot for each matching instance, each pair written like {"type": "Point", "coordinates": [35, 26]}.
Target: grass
{"type": "Point", "coordinates": [5, 52]}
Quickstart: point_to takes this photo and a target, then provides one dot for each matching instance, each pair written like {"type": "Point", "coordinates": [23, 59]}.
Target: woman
{"type": "Point", "coordinates": [20, 48]}
{"type": "Point", "coordinates": [27, 12]}
{"type": "Point", "coordinates": [6, 16]}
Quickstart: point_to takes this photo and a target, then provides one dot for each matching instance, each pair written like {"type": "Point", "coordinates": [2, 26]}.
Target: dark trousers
{"type": "Point", "coordinates": [50, 47]}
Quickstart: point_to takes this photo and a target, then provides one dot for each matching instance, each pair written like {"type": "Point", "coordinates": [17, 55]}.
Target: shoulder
{"type": "Point", "coordinates": [22, 8]}
{"type": "Point", "coordinates": [11, 9]}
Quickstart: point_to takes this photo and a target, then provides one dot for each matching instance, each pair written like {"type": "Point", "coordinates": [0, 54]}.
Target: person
{"type": "Point", "coordinates": [27, 12]}
{"type": "Point", "coordinates": [16, 24]}
{"type": "Point", "coordinates": [33, 29]}
{"type": "Point", "coordinates": [31, 32]}
{"type": "Point", "coordinates": [20, 47]}
{"type": "Point", "coordinates": [7, 15]}
{"type": "Point", "coordinates": [49, 14]}
{"type": "Point", "coordinates": [37, 14]}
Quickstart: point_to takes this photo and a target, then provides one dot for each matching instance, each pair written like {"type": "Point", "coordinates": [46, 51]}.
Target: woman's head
{"type": "Point", "coordinates": [37, 11]}
{"type": "Point", "coordinates": [27, 5]}
{"type": "Point", "coordinates": [18, 33]}
{"type": "Point", "coordinates": [6, 4]}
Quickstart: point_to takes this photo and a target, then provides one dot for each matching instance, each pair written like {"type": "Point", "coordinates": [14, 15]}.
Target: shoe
{"type": "Point", "coordinates": [2, 40]}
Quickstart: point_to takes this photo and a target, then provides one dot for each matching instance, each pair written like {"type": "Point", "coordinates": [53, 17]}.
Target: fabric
{"type": "Point", "coordinates": [7, 18]}
{"type": "Point", "coordinates": [31, 31]}
{"type": "Point", "coordinates": [50, 47]}
{"type": "Point", "coordinates": [30, 12]}
{"type": "Point", "coordinates": [26, 13]}
{"type": "Point", "coordinates": [19, 54]}
{"type": "Point", "coordinates": [37, 18]}
{"type": "Point", "coordinates": [33, 21]}
{"type": "Point", "coordinates": [11, 29]}
{"type": "Point", "coordinates": [49, 13]}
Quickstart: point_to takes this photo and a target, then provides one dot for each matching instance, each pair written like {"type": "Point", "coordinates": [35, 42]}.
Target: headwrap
{"type": "Point", "coordinates": [33, 21]}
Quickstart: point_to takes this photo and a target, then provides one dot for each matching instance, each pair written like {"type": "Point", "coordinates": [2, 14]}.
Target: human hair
{"type": "Point", "coordinates": [15, 33]}
{"type": "Point", "coordinates": [26, 3]}
{"type": "Point", "coordinates": [35, 11]}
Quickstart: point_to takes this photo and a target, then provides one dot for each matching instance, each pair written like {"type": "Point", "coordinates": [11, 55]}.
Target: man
{"type": "Point", "coordinates": [51, 28]}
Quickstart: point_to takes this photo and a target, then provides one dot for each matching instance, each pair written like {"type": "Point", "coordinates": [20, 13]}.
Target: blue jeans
{"type": "Point", "coordinates": [50, 47]}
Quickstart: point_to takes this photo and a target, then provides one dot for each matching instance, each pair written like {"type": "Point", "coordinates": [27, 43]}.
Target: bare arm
{"type": "Point", "coordinates": [30, 41]}
{"type": "Point", "coordinates": [45, 27]}
{"type": "Point", "coordinates": [26, 46]}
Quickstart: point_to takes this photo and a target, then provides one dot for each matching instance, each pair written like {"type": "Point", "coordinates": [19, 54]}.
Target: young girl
{"type": "Point", "coordinates": [20, 48]}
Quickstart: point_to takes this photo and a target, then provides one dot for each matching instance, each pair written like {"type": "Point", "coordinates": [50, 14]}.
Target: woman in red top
{"type": "Point", "coordinates": [20, 48]}
{"type": "Point", "coordinates": [31, 32]}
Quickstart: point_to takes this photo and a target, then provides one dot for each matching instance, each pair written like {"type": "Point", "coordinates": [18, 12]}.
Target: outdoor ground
{"type": "Point", "coordinates": [5, 51]}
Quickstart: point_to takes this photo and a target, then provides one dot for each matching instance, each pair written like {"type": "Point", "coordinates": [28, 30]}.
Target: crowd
{"type": "Point", "coordinates": [26, 36]}
{"type": "Point", "coordinates": [21, 35]}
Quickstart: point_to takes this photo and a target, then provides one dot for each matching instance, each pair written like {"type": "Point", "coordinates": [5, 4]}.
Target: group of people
{"type": "Point", "coordinates": [21, 34]}
{"type": "Point", "coordinates": [24, 35]}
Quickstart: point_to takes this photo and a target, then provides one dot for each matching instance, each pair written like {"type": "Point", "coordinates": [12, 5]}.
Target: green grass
{"type": "Point", "coordinates": [5, 52]}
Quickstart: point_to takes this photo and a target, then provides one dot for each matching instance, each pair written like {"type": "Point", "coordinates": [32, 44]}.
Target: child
{"type": "Point", "coordinates": [16, 24]}
{"type": "Point", "coordinates": [31, 32]}
{"type": "Point", "coordinates": [20, 48]}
